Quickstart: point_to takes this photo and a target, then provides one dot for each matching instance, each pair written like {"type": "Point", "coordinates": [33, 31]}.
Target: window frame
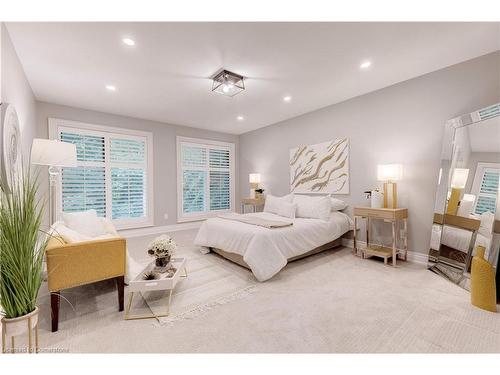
{"type": "Point", "coordinates": [207, 143]}
{"type": "Point", "coordinates": [481, 168]}
{"type": "Point", "coordinates": [56, 125]}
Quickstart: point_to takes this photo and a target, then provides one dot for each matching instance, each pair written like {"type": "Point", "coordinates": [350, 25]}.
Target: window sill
{"type": "Point", "coordinates": [186, 219]}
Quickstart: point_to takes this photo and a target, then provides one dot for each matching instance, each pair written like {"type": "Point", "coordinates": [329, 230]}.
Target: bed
{"type": "Point", "coordinates": [266, 251]}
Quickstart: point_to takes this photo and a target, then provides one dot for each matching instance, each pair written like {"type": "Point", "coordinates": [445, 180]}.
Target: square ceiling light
{"type": "Point", "coordinates": [228, 83]}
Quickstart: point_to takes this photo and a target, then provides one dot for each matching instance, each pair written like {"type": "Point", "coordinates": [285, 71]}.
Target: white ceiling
{"type": "Point", "coordinates": [165, 77]}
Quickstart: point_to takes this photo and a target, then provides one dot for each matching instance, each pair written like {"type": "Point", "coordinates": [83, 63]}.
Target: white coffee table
{"type": "Point", "coordinates": [138, 285]}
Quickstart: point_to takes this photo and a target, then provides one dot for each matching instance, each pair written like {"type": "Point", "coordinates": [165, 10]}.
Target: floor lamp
{"type": "Point", "coordinates": [54, 154]}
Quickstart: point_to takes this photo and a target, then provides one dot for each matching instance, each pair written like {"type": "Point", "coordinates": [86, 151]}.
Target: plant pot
{"type": "Point", "coordinates": [18, 326]}
{"type": "Point", "coordinates": [162, 264]}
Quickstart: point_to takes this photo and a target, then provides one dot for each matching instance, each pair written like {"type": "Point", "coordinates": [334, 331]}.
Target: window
{"type": "Point", "coordinates": [113, 176]}
{"type": "Point", "coordinates": [485, 187]}
{"type": "Point", "coordinates": [205, 171]}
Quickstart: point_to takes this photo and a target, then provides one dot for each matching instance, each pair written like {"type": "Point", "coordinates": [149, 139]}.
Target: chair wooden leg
{"type": "Point", "coordinates": [120, 284]}
{"type": "Point", "coordinates": [55, 300]}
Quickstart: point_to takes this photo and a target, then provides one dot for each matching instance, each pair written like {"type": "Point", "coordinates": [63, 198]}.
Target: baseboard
{"type": "Point", "coordinates": [128, 233]}
{"type": "Point", "coordinates": [413, 256]}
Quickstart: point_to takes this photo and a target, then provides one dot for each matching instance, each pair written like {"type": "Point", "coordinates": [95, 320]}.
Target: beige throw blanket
{"type": "Point", "coordinates": [253, 220]}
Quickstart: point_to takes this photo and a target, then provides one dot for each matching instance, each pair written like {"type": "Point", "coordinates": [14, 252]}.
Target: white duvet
{"type": "Point", "coordinates": [457, 238]}
{"type": "Point", "coordinates": [265, 250]}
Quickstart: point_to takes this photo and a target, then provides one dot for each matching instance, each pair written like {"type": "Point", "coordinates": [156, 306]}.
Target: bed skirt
{"type": "Point", "coordinates": [238, 259]}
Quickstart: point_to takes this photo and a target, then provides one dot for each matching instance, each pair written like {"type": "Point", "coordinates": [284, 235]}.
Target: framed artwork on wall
{"type": "Point", "coordinates": [11, 145]}
{"type": "Point", "coordinates": [320, 168]}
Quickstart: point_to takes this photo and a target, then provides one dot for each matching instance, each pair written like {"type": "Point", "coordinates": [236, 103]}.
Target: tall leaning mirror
{"type": "Point", "coordinates": [467, 206]}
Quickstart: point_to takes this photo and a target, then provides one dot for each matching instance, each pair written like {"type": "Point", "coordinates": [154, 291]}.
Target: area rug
{"type": "Point", "coordinates": [212, 281]}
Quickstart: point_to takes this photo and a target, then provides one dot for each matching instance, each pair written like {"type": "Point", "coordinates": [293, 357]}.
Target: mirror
{"type": "Point", "coordinates": [467, 206]}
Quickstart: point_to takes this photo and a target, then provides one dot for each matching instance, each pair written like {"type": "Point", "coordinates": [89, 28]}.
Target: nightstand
{"type": "Point", "coordinates": [396, 216]}
{"type": "Point", "coordinates": [254, 202]}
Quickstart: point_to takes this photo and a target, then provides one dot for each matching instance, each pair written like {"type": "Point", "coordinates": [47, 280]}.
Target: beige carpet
{"type": "Point", "coordinates": [211, 282]}
{"type": "Point", "coordinates": [327, 303]}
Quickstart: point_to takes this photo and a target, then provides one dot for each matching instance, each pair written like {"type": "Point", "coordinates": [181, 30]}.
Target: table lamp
{"type": "Point", "coordinates": [254, 179]}
{"type": "Point", "coordinates": [389, 174]}
{"type": "Point", "coordinates": [458, 181]}
{"type": "Point", "coordinates": [55, 154]}
{"type": "Point", "coordinates": [466, 205]}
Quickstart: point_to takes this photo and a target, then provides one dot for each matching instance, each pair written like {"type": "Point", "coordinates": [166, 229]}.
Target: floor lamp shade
{"type": "Point", "coordinates": [53, 153]}
{"type": "Point", "coordinates": [389, 174]}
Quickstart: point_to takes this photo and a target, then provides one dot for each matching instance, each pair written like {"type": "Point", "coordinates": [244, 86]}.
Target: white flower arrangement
{"type": "Point", "coordinates": [162, 247]}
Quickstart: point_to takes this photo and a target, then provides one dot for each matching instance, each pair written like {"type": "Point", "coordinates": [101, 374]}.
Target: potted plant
{"type": "Point", "coordinates": [162, 248]}
{"type": "Point", "coordinates": [21, 257]}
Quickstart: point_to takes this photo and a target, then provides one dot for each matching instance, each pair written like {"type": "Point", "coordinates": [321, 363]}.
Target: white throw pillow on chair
{"type": "Point", "coordinates": [59, 229]}
{"type": "Point", "coordinates": [85, 222]}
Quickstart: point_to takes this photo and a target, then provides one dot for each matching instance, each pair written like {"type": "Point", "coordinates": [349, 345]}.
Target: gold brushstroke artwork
{"type": "Point", "coordinates": [320, 168]}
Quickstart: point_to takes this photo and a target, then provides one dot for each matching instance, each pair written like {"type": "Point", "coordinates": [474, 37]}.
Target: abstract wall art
{"type": "Point", "coordinates": [320, 168]}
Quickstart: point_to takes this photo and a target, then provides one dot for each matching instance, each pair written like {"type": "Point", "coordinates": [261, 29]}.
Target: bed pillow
{"type": "Point", "coordinates": [273, 203]}
{"type": "Point", "coordinates": [287, 209]}
{"type": "Point", "coordinates": [313, 207]}
{"type": "Point", "coordinates": [337, 204]}
{"type": "Point", "coordinates": [486, 227]}
{"type": "Point", "coordinates": [85, 222]}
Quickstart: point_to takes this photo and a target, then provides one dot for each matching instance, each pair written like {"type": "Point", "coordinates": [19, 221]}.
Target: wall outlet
{"type": "Point", "coordinates": [165, 216]}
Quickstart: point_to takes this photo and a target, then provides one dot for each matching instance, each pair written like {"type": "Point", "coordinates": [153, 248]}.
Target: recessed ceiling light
{"type": "Point", "coordinates": [128, 42]}
{"type": "Point", "coordinates": [110, 88]}
{"type": "Point", "coordinates": [287, 98]}
{"type": "Point", "coordinates": [365, 64]}
{"type": "Point", "coordinates": [240, 118]}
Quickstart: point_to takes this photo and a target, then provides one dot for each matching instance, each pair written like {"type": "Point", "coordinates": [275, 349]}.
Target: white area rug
{"type": "Point", "coordinates": [211, 281]}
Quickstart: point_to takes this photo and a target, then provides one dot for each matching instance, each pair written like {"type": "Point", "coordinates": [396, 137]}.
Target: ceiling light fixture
{"type": "Point", "coordinates": [228, 83]}
{"type": "Point", "coordinates": [110, 88]}
{"type": "Point", "coordinates": [240, 118]}
{"type": "Point", "coordinates": [287, 98]}
{"type": "Point", "coordinates": [128, 42]}
{"type": "Point", "coordinates": [365, 64]}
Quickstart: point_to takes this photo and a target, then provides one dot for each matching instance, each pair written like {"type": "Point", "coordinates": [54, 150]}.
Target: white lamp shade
{"type": "Point", "coordinates": [389, 172]}
{"type": "Point", "coordinates": [254, 178]}
{"type": "Point", "coordinates": [469, 198]}
{"type": "Point", "coordinates": [459, 178]}
{"type": "Point", "coordinates": [53, 153]}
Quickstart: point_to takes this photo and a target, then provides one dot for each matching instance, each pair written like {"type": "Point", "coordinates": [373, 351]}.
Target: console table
{"type": "Point", "coordinates": [395, 216]}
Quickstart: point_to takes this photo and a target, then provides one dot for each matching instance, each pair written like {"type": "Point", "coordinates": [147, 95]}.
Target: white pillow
{"type": "Point", "coordinates": [273, 203]}
{"type": "Point", "coordinates": [287, 209]}
{"type": "Point", "coordinates": [67, 234]}
{"type": "Point", "coordinates": [337, 204]}
{"type": "Point", "coordinates": [313, 207]}
{"type": "Point", "coordinates": [486, 227]}
{"type": "Point", "coordinates": [85, 222]}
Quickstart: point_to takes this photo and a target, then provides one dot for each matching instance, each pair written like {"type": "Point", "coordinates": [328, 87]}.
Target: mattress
{"type": "Point", "coordinates": [267, 251]}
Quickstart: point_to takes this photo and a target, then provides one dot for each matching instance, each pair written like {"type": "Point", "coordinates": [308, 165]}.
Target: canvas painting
{"type": "Point", "coordinates": [320, 168]}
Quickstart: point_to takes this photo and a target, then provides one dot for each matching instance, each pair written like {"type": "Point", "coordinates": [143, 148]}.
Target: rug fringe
{"type": "Point", "coordinates": [199, 310]}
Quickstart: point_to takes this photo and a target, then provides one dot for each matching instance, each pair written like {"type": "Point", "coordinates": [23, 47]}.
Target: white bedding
{"type": "Point", "coordinates": [265, 250]}
{"type": "Point", "coordinates": [457, 238]}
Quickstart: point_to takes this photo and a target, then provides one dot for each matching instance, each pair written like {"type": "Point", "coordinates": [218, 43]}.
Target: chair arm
{"type": "Point", "coordinates": [71, 265]}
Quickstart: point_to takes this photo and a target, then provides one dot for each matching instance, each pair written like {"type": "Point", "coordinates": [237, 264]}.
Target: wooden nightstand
{"type": "Point", "coordinates": [254, 202]}
{"type": "Point", "coordinates": [393, 215]}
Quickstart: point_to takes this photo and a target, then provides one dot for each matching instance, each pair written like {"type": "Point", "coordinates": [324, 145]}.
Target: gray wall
{"type": "Point", "coordinates": [17, 91]}
{"type": "Point", "coordinates": [402, 123]}
{"type": "Point", "coordinates": [164, 148]}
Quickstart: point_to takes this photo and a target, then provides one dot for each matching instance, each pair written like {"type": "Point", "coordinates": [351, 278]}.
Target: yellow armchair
{"type": "Point", "coordinates": [73, 264]}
